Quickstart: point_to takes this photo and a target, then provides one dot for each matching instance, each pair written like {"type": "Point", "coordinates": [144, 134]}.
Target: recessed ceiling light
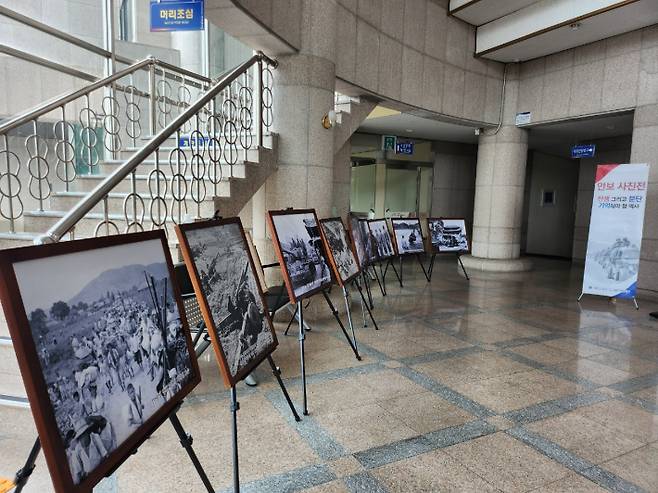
{"type": "Point", "coordinates": [409, 130]}
{"type": "Point", "coordinates": [575, 26]}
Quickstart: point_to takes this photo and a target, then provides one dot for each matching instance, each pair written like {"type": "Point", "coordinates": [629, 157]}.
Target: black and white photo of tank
{"type": "Point", "coordinates": [302, 250]}
{"type": "Point", "coordinates": [620, 260]}
{"type": "Point", "coordinates": [339, 248]}
{"type": "Point", "coordinates": [381, 238]}
{"type": "Point", "coordinates": [231, 295]}
{"type": "Point", "coordinates": [110, 343]}
{"type": "Point", "coordinates": [408, 235]}
{"type": "Point", "coordinates": [448, 235]}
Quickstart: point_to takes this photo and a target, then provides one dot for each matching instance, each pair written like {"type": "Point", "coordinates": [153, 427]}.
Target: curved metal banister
{"type": "Point", "coordinates": [100, 193]}
{"type": "Point", "coordinates": [61, 100]}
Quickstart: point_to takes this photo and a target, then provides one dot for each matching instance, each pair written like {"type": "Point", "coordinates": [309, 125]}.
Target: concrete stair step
{"type": "Point", "coordinates": [86, 183]}
{"type": "Point", "coordinates": [65, 201]}
{"type": "Point", "coordinates": [108, 167]}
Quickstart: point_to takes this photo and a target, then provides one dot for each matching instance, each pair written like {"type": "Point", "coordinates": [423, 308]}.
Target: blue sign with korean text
{"type": "Point", "coordinates": [177, 15]}
{"type": "Point", "coordinates": [581, 151]}
{"type": "Point", "coordinates": [404, 148]}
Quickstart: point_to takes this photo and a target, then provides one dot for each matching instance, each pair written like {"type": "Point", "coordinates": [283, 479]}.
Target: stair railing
{"type": "Point", "coordinates": [209, 135]}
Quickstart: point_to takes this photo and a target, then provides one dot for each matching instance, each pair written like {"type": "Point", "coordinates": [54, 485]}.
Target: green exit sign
{"type": "Point", "coordinates": [388, 142]}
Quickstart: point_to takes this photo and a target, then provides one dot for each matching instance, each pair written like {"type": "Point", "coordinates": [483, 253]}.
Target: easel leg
{"type": "Point", "coordinates": [381, 271]}
{"type": "Point", "coordinates": [186, 442]}
{"type": "Point", "coordinates": [366, 282]}
{"type": "Point", "coordinates": [302, 336]}
{"type": "Point", "coordinates": [395, 271]}
{"type": "Point", "coordinates": [277, 375]}
{"type": "Point", "coordinates": [431, 268]}
{"type": "Point", "coordinates": [23, 474]}
{"type": "Point", "coordinates": [459, 258]}
{"type": "Point", "coordinates": [234, 411]}
{"type": "Point", "coordinates": [363, 311]}
{"type": "Point", "coordinates": [422, 267]}
{"type": "Point", "coordinates": [400, 277]}
{"type": "Point", "coordinates": [381, 288]}
{"type": "Point", "coordinates": [349, 315]}
{"type": "Point", "coordinates": [290, 322]}
{"type": "Point", "coordinates": [637, 307]}
{"type": "Point", "coordinates": [340, 324]}
{"type": "Point", "coordinates": [358, 287]}
{"type": "Point", "coordinates": [580, 297]}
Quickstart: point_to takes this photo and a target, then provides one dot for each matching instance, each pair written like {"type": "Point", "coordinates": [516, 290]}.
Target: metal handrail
{"type": "Point", "coordinates": [45, 28]}
{"type": "Point", "coordinates": [61, 100]}
{"type": "Point", "coordinates": [29, 57]}
{"type": "Point", "coordinates": [68, 221]}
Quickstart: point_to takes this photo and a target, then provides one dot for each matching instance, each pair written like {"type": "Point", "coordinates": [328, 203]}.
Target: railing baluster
{"type": "Point", "coordinates": [152, 100]}
{"type": "Point", "coordinates": [260, 103]}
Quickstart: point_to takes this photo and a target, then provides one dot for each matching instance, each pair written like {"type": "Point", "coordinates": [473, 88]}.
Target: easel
{"type": "Point", "coordinates": [24, 473]}
{"type": "Point", "coordinates": [459, 259]}
{"type": "Point", "coordinates": [637, 307]}
{"type": "Point", "coordinates": [399, 275]}
{"type": "Point", "coordinates": [390, 263]}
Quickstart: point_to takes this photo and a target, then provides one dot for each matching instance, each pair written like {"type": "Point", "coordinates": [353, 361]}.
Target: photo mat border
{"type": "Point", "coordinates": [436, 250]}
{"type": "Point", "coordinates": [395, 238]}
{"type": "Point", "coordinates": [279, 253]}
{"type": "Point", "coordinates": [32, 375]}
{"type": "Point", "coordinates": [204, 306]}
{"type": "Point", "coordinates": [389, 235]}
{"type": "Point", "coordinates": [332, 261]}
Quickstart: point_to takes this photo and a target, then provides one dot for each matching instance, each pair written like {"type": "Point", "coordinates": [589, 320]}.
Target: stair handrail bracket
{"type": "Point", "coordinates": [193, 147]}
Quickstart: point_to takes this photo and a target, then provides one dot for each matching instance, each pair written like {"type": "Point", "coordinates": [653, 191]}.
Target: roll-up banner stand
{"type": "Point", "coordinates": [615, 231]}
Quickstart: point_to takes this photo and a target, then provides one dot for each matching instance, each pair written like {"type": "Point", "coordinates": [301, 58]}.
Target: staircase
{"type": "Point", "coordinates": [81, 165]}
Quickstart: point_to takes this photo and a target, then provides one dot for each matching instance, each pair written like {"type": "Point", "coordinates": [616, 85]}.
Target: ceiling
{"type": "Point", "coordinates": [557, 138]}
{"type": "Point", "coordinates": [416, 127]}
{"type": "Point", "coordinates": [478, 12]}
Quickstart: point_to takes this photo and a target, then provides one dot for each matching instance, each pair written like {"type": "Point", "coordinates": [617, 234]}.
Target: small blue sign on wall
{"type": "Point", "coordinates": [583, 151]}
{"type": "Point", "coordinates": [177, 15]}
{"type": "Point", "coordinates": [404, 148]}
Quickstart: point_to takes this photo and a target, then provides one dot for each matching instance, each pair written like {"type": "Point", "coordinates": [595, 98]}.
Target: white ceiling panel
{"type": "Point", "coordinates": [406, 125]}
{"type": "Point", "coordinates": [478, 12]}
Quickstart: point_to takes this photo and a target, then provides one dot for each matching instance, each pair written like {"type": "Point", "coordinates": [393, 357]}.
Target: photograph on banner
{"type": "Point", "coordinates": [381, 238]}
{"type": "Point", "coordinates": [299, 247]}
{"type": "Point", "coordinates": [340, 254]}
{"type": "Point", "coordinates": [408, 235]}
{"type": "Point", "coordinates": [615, 231]}
{"type": "Point", "coordinates": [448, 234]}
{"type": "Point", "coordinates": [102, 346]}
{"type": "Point", "coordinates": [219, 261]}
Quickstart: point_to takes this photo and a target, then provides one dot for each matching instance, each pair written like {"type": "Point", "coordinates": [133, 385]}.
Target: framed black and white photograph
{"type": "Point", "coordinates": [381, 238]}
{"type": "Point", "coordinates": [102, 344]}
{"type": "Point", "coordinates": [230, 298]}
{"type": "Point", "coordinates": [358, 241]}
{"type": "Point", "coordinates": [341, 256]}
{"type": "Point", "coordinates": [408, 235]}
{"type": "Point", "coordinates": [298, 244]}
{"type": "Point", "coordinates": [448, 235]}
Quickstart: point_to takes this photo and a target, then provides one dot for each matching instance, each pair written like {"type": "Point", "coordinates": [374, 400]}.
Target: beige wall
{"type": "Point", "coordinates": [408, 51]}
{"type": "Point", "coordinates": [613, 74]}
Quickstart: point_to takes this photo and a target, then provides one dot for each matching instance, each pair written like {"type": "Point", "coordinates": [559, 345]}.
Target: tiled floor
{"type": "Point", "coordinates": [497, 384]}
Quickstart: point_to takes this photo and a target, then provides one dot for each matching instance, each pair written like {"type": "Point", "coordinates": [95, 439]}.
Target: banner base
{"type": "Point", "coordinates": [613, 298]}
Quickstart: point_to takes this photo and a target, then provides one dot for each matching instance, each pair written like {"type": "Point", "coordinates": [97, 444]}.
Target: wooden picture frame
{"type": "Point", "coordinates": [326, 281]}
{"type": "Point", "coordinates": [366, 243]}
{"type": "Point", "coordinates": [375, 242]}
{"type": "Point", "coordinates": [16, 273]}
{"type": "Point", "coordinates": [332, 255]}
{"type": "Point", "coordinates": [396, 242]}
{"type": "Point", "coordinates": [437, 249]}
{"type": "Point", "coordinates": [226, 360]}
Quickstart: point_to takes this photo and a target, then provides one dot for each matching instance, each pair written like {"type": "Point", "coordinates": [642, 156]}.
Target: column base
{"type": "Point", "coordinates": [496, 265]}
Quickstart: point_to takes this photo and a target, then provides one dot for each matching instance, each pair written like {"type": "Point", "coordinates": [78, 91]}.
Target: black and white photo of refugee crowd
{"type": "Point", "coordinates": [220, 255]}
{"type": "Point", "coordinates": [381, 238]}
{"type": "Point", "coordinates": [408, 235]}
{"type": "Point", "coordinates": [302, 250]}
{"type": "Point", "coordinates": [110, 343]}
{"type": "Point", "coordinates": [336, 235]}
{"type": "Point", "coordinates": [448, 235]}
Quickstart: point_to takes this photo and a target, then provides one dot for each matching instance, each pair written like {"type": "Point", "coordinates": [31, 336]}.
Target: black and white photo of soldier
{"type": "Point", "coordinates": [381, 238]}
{"type": "Point", "coordinates": [303, 254]}
{"type": "Point", "coordinates": [110, 343]}
{"type": "Point", "coordinates": [334, 232]}
{"type": "Point", "coordinates": [448, 235]}
{"type": "Point", "coordinates": [620, 260]}
{"type": "Point", "coordinates": [408, 235]}
{"type": "Point", "coordinates": [221, 258]}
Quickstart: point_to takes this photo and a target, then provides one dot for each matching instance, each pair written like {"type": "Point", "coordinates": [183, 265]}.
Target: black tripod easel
{"type": "Point", "coordinates": [430, 270]}
{"type": "Point", "coordinates": [24, 473]}
{"type": "Point", "coordinates": [398, 275]}
{"type": "Point", "coordinates": [364, 304]}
